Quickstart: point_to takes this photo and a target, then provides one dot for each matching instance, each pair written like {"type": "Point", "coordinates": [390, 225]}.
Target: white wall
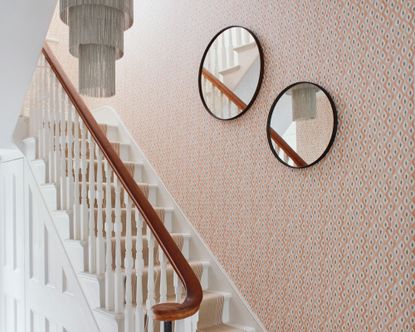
{"type": "Point", "coordinates": [23, 27]}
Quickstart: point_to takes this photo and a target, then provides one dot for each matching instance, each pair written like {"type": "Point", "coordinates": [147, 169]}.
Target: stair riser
{"type": "Point", "coordinates": [149, 189]}
{"type": "Point", "coordinates": [110, 131]}
{"type": "Point", "coordinates": [123, 151]}
{"type": "Point", "coordinates": [134, 169]}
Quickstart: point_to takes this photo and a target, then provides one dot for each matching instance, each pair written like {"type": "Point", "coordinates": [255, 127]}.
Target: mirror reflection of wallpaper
{"type": "Point", "coordinates": [313, 135]}
{"type": "Point", "coordinates": [320, 234]}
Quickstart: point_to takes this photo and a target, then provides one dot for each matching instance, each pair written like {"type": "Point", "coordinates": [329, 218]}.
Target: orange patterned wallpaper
{"type": "Point", "coordinates": [329, 248]}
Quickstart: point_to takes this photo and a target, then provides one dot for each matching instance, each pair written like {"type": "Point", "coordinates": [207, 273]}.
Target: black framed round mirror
{"type": "Point", "coordinates": [230, 73]}
{"type": "Point", "coordinates": [302, 125]}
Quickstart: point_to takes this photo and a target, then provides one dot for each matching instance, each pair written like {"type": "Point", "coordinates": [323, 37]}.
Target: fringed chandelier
{"type": "Point", "coordinates": [96, 37]}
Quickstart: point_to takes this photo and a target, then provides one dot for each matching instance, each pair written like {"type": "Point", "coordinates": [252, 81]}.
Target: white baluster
{"type": "Point", "coordinates": [222, 52]}
{"type": "Point", "coordinates": [245, 36]}
{"type": "Point", "coordinates": [194, 321]}
{"type": "Point", "coordinates": [43, 115]}
{"type": "Point", "coordinates": [222, 102]}
{"type": "Point", "coordinates": [63, 149]}
{"type": "Point", "coordinates": [216, 58]}
{"type": "Point", "coordinates": [128, 264]}
{"type": "Point", "coordinates": [56, 111]}
{"type": "Point", "coordinates": [77, 197]}
{"type": "Point", "coordinates": [70, 181]}
{"type": "Point", "coordinates": [238, 36]}
{"type": "Point", "coordinates": [109, 275]}
{"type": "Point", "coordinates": [118, 279]}
{"type": "Point", "coordinates": [100, 236]}
{"type": "Point", "coordinates": [92, 246]}
{"type": "Point", "coordinates": [150, 279]}
{"type": "Point", "coordinates": [37, 106]}
{"type": "Point", "coordinates": [139, 269]}
{"type": "Point", "coordinates": [163, 280]}
{"type": "Point", "coordinates": [50, 128]}
{"type": "Point", "coordinates": [84, 202]}
{"type": "Point", "coordinates": [231, 109]}
{"type": "Point", "coordinates": [177, 287]}
{"type": "Point", "coordinates": [31, 101]}
{"type": "Point", "coordinates": [230, 52]}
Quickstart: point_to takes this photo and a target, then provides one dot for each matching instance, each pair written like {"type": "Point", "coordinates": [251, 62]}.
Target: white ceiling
{"type": "Point", "coordinates": [23, 28]}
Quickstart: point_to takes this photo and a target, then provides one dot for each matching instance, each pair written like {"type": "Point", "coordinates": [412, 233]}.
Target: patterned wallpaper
{"type": "Point", "coordinates": [329, 248]}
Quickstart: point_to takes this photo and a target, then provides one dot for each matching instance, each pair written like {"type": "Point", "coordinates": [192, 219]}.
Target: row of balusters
{"type": "Point", "coordinates": [72, 156]}
{"type": "Point", "coordinates": [221, 55]}
{"type": "Point", "coordinates": [217, 102]}
{"type": "Point", "coordinates": [283, 156]}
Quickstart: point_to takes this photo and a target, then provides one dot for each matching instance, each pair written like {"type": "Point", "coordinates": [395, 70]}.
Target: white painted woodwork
{"type": "Point", "coordinates": [70, 178]}
{"type": "Point", "coordinates": [62, 150]}
{"type": "Point", "coordinates": [139, 269]}
{"type": "Point", "coordinates": [40, 287]}
{"type": "Point", "coordinates": [109, 275]}
{"type": "Point", "coordinates": [92, 246]}
{"type": "Point", "coordinates": [100, 245]}
{"type": "Point", "coordinates": [150, 279]}
{"type": "Point", "coordinates": [118, 278]}
{"type": "Point", "coordinates": [128, 264]}
{"type": "Point", "coordinates": [84, 189]}
{"type": "Point", "coordinates": [76, 202]}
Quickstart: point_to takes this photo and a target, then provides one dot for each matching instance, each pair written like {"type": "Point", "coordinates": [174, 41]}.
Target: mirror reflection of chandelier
{"type": "Point", "coordinates": [96, 37]}
{"type": "Point", "coordinates": [304, 103]}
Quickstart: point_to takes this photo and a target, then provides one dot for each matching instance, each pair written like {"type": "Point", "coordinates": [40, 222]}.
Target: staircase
{"type": "Point", "coordinates": [126, 262]}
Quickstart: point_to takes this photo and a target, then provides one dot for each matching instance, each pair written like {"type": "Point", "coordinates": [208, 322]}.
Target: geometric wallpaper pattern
{"type": "Point", "coordinates": [328, 248]}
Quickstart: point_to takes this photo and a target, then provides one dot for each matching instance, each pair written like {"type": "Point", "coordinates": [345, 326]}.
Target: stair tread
{"type": "Point", "coordinates": [154, 207]}
{"type": "Point", "coordinates": [157, 267]}
{"type": "Point", "coordinates": [126, 162]}
{"type": "Point", "coordinates": [221, 328]}
{"type": "Point", "coordinates": [134, 237]}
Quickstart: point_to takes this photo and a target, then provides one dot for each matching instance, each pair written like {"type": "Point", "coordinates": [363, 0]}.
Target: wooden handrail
{"type": "Point", "coordinates": [162, 311]}
{"type": "Point", "coordinates": [287, 148]}
{"type": "Point", "coordinates": [224, 89]}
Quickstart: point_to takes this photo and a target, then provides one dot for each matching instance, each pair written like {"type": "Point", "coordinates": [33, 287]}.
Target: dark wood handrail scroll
{"type": "Point", "coordinates": [287, 148]}
{"type": "Point", "coordinates": [162, 311]}
{"type": "Point", "coordinates": [224, 89]}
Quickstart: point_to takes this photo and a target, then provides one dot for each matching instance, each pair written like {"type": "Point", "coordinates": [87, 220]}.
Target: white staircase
{"type": "Point", "coordinates": [114, 253]}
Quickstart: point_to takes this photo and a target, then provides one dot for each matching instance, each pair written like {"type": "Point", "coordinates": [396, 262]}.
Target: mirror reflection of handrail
{"type": "Point", "coordinates": [289, 151]}
{"type": "Point", "coordinates": [224, 89]}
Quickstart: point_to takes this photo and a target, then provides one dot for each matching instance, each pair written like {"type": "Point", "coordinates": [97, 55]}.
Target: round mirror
{"type": "Point", "coordinates": [230, 73]}
{"type": "Point", "coordinates": [302, 125]}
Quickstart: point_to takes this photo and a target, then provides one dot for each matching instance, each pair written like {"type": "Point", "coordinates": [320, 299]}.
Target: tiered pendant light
{"type": "Point", "coordinates": [96, 37]}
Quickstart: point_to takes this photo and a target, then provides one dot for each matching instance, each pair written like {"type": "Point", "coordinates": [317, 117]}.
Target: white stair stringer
{"type": "Point", "coordinates": [238, 313]}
